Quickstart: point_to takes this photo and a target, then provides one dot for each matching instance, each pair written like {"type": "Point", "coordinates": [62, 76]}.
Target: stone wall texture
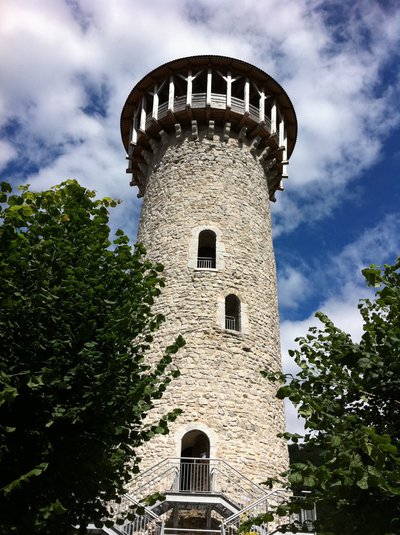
{"type": "Point", "coordinates": [212, 183]}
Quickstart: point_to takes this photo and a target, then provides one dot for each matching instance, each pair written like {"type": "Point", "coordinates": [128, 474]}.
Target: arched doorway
{"type": "Point", "coordinates": [194, 469]}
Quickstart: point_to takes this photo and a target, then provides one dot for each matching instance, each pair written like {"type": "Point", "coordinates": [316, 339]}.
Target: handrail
{"type": "Point", "coordinates": [200, 476]}
{"type": "Point", "coordinates": [165, 473]}
{"type": "Point", "coordinates": [166, 466]}
{"type": "Point", "coordinates": [193, 529]}
{"type": "Point", "coordinates": [253, 505]}
{"type": "Point", "coordinates": [275, 497]}
{"type": "Point", "coordinates": [147, 510]}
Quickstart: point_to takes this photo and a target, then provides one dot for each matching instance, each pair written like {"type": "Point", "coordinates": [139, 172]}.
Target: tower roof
{"type": "Point", "coordinates": [237, 68]}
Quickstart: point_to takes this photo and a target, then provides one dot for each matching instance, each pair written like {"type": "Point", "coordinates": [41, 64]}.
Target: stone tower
{"type": "Point", "coordinates": [208, 140]}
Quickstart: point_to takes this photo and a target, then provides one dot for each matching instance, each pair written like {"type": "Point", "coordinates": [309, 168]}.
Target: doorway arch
{"type": "Point", "coordinates": [195, 444]}
{"type": "Point", "coordinates": [194, 463]}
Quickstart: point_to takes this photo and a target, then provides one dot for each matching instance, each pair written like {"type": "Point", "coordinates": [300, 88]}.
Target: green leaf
{"type": "Point", "coordinates": [6, 187]}
{"type": "Point", "coordinates": [295, 478]}
{"type": "Point", "coordinates": [363, 482]}
{"type": "Point", "coordinates": [17, 483]}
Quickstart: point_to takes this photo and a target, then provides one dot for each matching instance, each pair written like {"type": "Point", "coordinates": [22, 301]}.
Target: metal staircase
{"type": "Point", "coordinates": [190, 484]}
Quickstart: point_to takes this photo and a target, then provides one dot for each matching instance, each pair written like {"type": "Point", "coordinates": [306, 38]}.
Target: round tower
{"type": "Point", "coordinates": [208, 140]}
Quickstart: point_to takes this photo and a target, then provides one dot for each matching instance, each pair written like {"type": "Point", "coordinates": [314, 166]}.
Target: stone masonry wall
{"type": "Point", "coordinates": [203, 183]}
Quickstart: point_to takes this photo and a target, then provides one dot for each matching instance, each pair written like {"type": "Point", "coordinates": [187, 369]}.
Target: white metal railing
{"type": "Point", "coordinates": [148, 522]}
{"type": "Point", "coordinates": [191, 530]}
{"type": "Point", "coordinates": [230, 323]}
{"type": "Point", "coordinates": [197, 476]}
{"type": "Point", "coordinates": [206, 262]}
{"type": "Point", "coordinates": [142, 525]}
{"type": "Point", "coordinates": [201, 476]}
{"type": "Point", "coordinates": [218, 101]}
{"type": "Point", "coordinates": [230, 526]}
{"type": "Point", "coordinates": [269, 503]}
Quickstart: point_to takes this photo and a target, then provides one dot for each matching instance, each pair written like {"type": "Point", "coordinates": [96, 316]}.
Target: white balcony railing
{"type": "Point", "coordinates": [218, 102]}
{"type": "Point", "coordinates": [231, 323]}
{"type": "Point", "coordinates": [205, 262]}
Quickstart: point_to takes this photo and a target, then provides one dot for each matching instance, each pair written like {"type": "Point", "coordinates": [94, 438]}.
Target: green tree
{"type": "Point", "coordinates": [75, 326]}
{"type": "Point", "coordinates": [349, 395]}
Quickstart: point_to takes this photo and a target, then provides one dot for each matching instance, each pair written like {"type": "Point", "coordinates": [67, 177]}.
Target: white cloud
{"type": "Point", "coordinates": [379, 244]}
{"type": "Point", "coordinates": [67, 45]}
{"type": "Point", "coordinates": [293, 287]}
{"type": "Point", "coordinates": [7, 153]}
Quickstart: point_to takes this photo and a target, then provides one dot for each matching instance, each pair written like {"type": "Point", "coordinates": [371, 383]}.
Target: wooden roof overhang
{"type": "Point", "coordinates": [229, 94]}
{"type": "Point", "coordinates": [181, 66]}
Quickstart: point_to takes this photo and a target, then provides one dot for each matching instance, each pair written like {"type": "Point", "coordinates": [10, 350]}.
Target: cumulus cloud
{"type": "Point", "coordinates": [293, 287]}
{"type": "Point", "coordinates": [7, 153]}
{"type": "Point", "coordinates": [329, 66]}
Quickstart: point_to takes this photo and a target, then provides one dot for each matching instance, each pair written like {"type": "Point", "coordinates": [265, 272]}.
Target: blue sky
{"type": "Point", "coordinates": [68, 65]}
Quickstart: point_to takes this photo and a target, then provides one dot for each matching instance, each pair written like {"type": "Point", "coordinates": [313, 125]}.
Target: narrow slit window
{"type": "Point", "coordinates": [232, 313]}
{"type": "Point", "coordinates": [206, 253]}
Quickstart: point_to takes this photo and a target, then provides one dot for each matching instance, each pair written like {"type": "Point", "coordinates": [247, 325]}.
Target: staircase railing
{"type": "Point", "coordinates": [198, 476]}
{"type": "Point", "coordinates": [148, 522]}
{"type": "Point", "coordinates": [268, 503]}
{"type": "Point", "coordinates": [140, 525]}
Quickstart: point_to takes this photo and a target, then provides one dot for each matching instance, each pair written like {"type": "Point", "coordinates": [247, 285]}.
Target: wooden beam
{"type": "Point", "coordinates": [156, 99]}
{"type": "Point", "coordinates": [209, 87]}
{"type": "Point", "coordinates": [228, 90]}
{"type": "Point", "coordinates": [284, 153]}
{"type": "Point", "coordinates": [189, 90]}
{"type": "Point", "coordinates": [134, 132]}
{"type": "Point", "coordinates": [282, 132]}
{"type": "Point", "coordinates": [273, 117]}
{"type": "Point", "coordinates": [171, 94]}
{"type": "Point", "coordinates": [261, 108]}
{"type": "Point", "coordinates": [247, 96]}
{"type": "Point", "coordinates": [143, 114]}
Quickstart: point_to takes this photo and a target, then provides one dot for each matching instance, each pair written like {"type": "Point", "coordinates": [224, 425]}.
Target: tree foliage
{"type": "Point", "coordinates": [349, 395]}
{"type": "Point", "coordinates": [75, 326]}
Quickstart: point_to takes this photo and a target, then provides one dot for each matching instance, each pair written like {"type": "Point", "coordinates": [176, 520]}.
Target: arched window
{"type": "Point", "coordinates": [194, 466]}
{"type": "Point", "coordinates": [206, 251]}
{"type": "Point", "coordinates": [232, 313]}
